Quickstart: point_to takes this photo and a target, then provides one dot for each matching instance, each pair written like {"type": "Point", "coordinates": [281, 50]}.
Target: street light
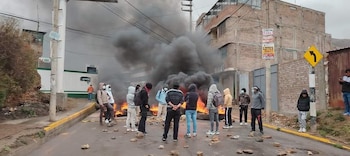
{"type": "Point", "coordinates": [188, 10]}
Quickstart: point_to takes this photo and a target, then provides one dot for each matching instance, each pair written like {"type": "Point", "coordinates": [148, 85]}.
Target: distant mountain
{"type": "Point", "coordinates": [340, 43]}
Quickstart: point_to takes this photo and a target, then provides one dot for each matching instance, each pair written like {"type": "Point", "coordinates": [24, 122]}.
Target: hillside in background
{"type": "Point", "coordinates": [340, 43]}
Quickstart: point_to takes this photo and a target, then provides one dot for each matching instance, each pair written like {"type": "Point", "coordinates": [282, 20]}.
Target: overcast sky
{"type": "Point", "coordinates": [337, 18]}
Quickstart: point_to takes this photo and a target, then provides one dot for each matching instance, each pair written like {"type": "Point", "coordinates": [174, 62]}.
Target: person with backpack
{"type": "Point", "coordinates": [103, 100]}
{"type": "Point", "coordinates": [191, 99]}
{"type": "Point", "coordinates": [303, 107]}
{"type": "Point", "coordinates": [131, 115]}
{"type": "Point", "coordinates": [244, 101]}
{"type": "Point", "coordinates": [144, 106]}
{"type": "Point", "coordinates": [228, 108]}
{"type": "Point", "coordinates": [137, 100]}
{"type": "Point", "coordinates": [174, 99]}
{"type": "Point", "coordinates": [160, 97]}
{"type": "Point", "coordinates": [213, 102]}
{"type": "Point", "coordinates": [257, 105]}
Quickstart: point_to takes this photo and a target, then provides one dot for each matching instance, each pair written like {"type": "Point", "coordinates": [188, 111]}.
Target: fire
{"type": "Point", "coordinates": [154, 109]}
{"type": "Point", "coordinates": [122, 109]}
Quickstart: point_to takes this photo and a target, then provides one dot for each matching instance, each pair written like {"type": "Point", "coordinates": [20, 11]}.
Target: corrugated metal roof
{"type": "Point", "coordinates": [338, 50]}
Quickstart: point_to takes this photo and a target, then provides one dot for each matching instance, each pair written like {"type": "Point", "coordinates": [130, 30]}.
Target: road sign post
{"type": "Point", "coordinates": [313, 56]}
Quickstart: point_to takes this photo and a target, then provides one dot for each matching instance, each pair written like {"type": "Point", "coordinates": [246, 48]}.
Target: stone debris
{"type": "Point", "coordinates": [116, 130]}
{"type": "Point", "coordinates": [150, 155]}
{"type": "Point", "coordinates": [282, 153]}
{"type": "Point", "coordinates": [114, 137]}
{"type": "Point", "coordinates": [248, 151]}
{"type": "Point", "coordinates": [104, 130]}
{"type": "Point", "coordinates": [174, 153]}
{"type": "Point", "coordinates": [266, 137]}
{"type": "Point", "coordinates": [125, 132]}
{"type": "Point", "coordinates": [309, 153]}
{"type": "Point", "coordinates": [239, 151]}
{"type": "Point", "coordinates": [84, 121]}
{"type": "Point", "coordinates": [291, 151]}
{"type": "Point", "coordinates": [235, 137]}
{"type": "Point", "coordinates": [228, 135]}
{"type": "Point", "coordinates": [259, 139]}
{"type": "Point", "coordinates": [133, 140]}
{"type": "Point", "coordinates": [86, 146]}
{"type": "Point", "coordinates": [276, 144]}
{"type": "Point", "coordinates": [214, 140]}
{"type": "Point", "coordinates": [186, 146]}
{"type": "Point", "coordinates": [251, 134]}
{"type": "Point", "coordinates": [183, 118]}
{"type": "Point", "coordinates": [199, 153]}
{"type": "Point", "coordinates": [161, 147]}
{"type": "Point", "coordinates": [139, 135]}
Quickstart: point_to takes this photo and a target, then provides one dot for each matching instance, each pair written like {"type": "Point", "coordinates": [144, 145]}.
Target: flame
{"type": "Point", "coordinates": [154, 109]}
{"type": "Point", "coordinates": [122, 109]}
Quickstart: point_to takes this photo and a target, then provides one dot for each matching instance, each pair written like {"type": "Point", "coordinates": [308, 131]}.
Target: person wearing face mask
{"type": "Point", "coordinates": [111, 102]}
{"type": "Point", "coordinates": [162, 105]}
{"type": "Point", "coordinates": [244, 101]}
{"type": "Point", "coordinates": [103, 100]}
{"type": "Point", "coordinates": [258, 103]}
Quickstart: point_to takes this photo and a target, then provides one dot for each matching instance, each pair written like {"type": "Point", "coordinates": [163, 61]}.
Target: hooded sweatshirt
{"type": "Point", "coordinates": [227, 98]}
{"type": "Point", "coordinates": [130, 97]}
{"type": "Point", "coordinates": [212, 90]}
{"type": "Point", "coordinates": [303, 102]}
{"type": "Point", "coordinates": [191, 97]}
{"type": "Point", "coordinates": [258, 100]}
{"type": "Point", "coordinates": [160, 97]}
{"type": "Point", "coordinates": [109, 92]}
{"type": "Point", "coordinates": [102, 95]}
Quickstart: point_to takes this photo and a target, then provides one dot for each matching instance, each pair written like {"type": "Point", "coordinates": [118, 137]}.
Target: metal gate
{"type": "Point", "coordinates": [259, 79]}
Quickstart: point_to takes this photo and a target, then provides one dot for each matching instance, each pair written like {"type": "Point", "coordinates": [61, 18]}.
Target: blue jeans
{"type": "Point", "coordinates": [346, 97]}
{"type": "Point", "coordinates": [90, 96]}
{"type": "Point", "coordinates": [191, 115]}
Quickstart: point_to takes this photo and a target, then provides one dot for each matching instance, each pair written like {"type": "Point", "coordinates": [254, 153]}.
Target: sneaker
{"type": "Point", "coordinates": [230, 126]}
{"type": "Point", "coordinates": [175, 140]}
{"type": "Point", "coordinates": [262, 132]}
{"type": "Point", "coordinates": [225, 127]}
{"type": "Point", "coordinates": [245, 123]}
{"type": "Point", "coordinates": [241, 123]}
{"type": "Point", "coordinates": [300, 130]}
{"type": "Point", "coordinates": [210, 133]}
{"type": "Point", "coordinates": [163, 139]}
{"type": "Point", "coordinates": [346, 114]}
{"type": "Point", "coordinates": [188, 135]}
{"type": "Point", "coordinates": [194, 134]}
{"type": "Point", "coordinates": [106, 121]}
{"type": "Point", "coordinates": [128, 130]}
{"type": "Point", "coordinates": [133, 130]}
{"type": "Point", "coordinates": [303, 130]}
{"type": "Point", "coordinates": [217, 133]}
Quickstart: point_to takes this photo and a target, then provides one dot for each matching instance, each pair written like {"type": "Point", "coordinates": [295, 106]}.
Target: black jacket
{"type": "Point", "coordinates": [191, 98]}
{"type": "Point", "coordinates": [345, 87]}
{"type": "Point", "coordinates": [174, 96]}
{"type": "Point", "coordinates": [144, 100]}
{"type": "Point", "coordinates": [303, 102]}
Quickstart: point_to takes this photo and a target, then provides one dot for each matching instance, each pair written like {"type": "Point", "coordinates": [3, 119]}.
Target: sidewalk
{"type": "Point", "coordinates": [13, 140]}
{"type": "Point", "coordinates": [235, 115]}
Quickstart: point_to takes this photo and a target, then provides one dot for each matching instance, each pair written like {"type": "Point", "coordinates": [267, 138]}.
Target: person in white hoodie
{"type": "Point", "coordinates": [131, 115]}
{"type": "Point", "coordinates": [111, 102]}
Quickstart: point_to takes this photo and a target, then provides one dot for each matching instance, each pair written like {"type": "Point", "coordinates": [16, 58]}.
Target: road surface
{"type": "Point", "coordinates": [101, 143]}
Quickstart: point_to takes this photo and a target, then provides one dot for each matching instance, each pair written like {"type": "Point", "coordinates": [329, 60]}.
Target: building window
{"type": "Point", "coordinates": [223, 51]}
{"type": "Point", "coordinates": [222, 28]}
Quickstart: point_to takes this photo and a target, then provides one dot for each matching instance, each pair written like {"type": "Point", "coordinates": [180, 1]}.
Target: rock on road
{"type": "Point", "coordinates": [117, 142]}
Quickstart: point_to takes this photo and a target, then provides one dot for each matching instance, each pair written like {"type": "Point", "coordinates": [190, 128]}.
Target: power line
{"type": "Point", "coordinates": [134, 24]}
{"type": "Point", "coordinates": [150, 18]}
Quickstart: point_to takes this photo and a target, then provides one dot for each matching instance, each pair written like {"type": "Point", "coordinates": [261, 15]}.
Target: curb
{"type": "Point", "coordinates": [55, 128]}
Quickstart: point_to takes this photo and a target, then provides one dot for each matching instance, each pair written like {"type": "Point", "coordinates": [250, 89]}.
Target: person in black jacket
{"type": "Point", "coordinates": [345, 89]}
{"type": "Point", "coordinates": [174, 99]}
{"type": "Point", "coordinates": [303, 107]}
{"type": "Point", "coordinates": [191, 99]}
{"type": "Point", "coordinates": [144, 106]}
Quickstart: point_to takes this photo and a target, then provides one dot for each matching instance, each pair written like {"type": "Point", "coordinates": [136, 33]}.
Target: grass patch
{"type": "Point", "coordinates": [338, 146]}
{"type": "Point", "coordinates": [278, 129]}
{"type": "Point", "coordinates": [40, 134]}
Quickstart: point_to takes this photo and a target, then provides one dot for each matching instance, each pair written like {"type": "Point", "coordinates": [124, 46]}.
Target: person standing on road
{"type": "Point", "coordinates": [90, 91]}
{"type": "Point", "coordinates": [131, 115]}
{"type": "Point", "coordinates": [228, 108]}
{"type": "Point", "coordinates": [103, 100]}
{"type": "Point", "coordinates": [257, 105]}
{"type": "Point", "coordinates": [160, 97]}
{"type": "Point", "coordinates": [191, 99]}
{"type": "Point", "coordinates": [345, 82]}
{"type": "Point", "coordinates": [111, 102]}
{"type": "Point", "coordinates": [175, 99]}
{"type": "Point", "coordinates": [244, 101]}
{"type": "Point", "coordinates": [138, 110]}
{"type": "Point", "coordinates": [213, 110]}
{"type": "Point", "coordinates": [144, 94]}
{"type": "Point", "coordinates": [303, 107]}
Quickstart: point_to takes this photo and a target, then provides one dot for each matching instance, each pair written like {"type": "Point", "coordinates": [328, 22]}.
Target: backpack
{"type": "Point", "coordinates": [137, 99]}
{"type": "Point", "coordinates": [218, 99]}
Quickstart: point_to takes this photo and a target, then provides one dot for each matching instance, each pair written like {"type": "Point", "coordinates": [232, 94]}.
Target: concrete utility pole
{"type": "Point", "coordinates": [188, 10]}
{"type": "Point", "coordinates": [62, 11]}
{"type": "Point", "coordinates": [53, 56]}
{"type": "Point", "coordinates": [268, 70]}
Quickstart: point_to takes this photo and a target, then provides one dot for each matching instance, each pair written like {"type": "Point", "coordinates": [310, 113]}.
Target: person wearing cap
{"type": "Point", "coordinates": [162, 105]}
{"type": "Point", "coordinates": [303, 107]}
{"type": "Point", "coordinates": [174, 98]}
{"type": "Point", "coordinates": [144, 107]}
{"type": "Point", "coordinates": [258, 103]}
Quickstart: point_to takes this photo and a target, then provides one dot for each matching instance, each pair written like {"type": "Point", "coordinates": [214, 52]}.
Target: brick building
{"type": "Point", "coordinates": [235, 28]}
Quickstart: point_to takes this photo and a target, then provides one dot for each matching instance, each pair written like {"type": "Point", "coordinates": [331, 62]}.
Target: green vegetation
{"type": "Point", "coordinates": [40, 134]}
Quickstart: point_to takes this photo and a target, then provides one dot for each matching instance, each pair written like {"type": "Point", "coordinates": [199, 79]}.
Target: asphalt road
{"type": "Point", "coordinates": [102, 144]}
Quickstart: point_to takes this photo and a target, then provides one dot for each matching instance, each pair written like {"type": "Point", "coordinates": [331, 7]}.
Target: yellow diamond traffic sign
{"type": "Point", "coordinates": [313, 56]}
